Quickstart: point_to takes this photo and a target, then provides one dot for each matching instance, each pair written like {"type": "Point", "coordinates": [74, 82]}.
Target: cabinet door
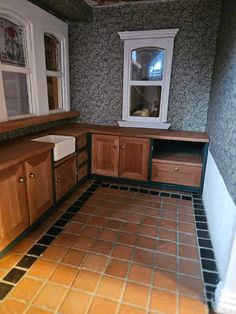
{"type": "Point", "coordinates": [13, 204]}
{"type": "Point", "coordinates": [105, 155]}
{"type": "Point", "coordinates": [134, 157]}
{"type": "Point", "coordinates": [65, 177]}
{"type": "Point", "coordinates": [39, 184]}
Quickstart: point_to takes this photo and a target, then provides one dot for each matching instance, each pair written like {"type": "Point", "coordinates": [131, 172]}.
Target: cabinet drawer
{"type": "Point", "coordinates": [81, 141]}
{"type": "Point", "coordinates": [82, 172]}
{"type": "Point", "coordinates": [176, 174]}
{"type": "Point", "coordinates": [82, 157]}
{"type": "Point", "coordinates": [65, 177]}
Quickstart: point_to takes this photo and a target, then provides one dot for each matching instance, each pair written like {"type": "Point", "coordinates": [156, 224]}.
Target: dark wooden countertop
{"type": "Point", "coordinates": [15, 151]}
{"type": "Point", "coordinates": [76, 130]}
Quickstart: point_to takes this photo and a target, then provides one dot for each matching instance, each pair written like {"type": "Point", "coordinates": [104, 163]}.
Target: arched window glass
{"type": "Point", "coordinates": [147, 64]}
{"type": "Point", "coordinates": [53, 70]}
{"type": "Point", "coordinates": [52, 52]}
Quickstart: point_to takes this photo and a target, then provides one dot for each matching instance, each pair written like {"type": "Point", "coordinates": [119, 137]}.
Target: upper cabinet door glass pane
{"type": "Point", "coordinates": [12, 43]}
{"type": "Point", "coordinates": [52, 53]}
{"type": "Point", "coordinates": [147, 64]}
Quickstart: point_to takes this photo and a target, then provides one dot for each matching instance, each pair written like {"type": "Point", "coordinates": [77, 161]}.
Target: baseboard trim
{"type": "Point", "coordinates": [225, 302]}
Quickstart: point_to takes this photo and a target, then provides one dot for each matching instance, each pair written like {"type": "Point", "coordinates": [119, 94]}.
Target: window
{"type": "Point", "coordinates": [34, 67]}
{"type": "Point", "coordinates": [53, 71]}
{"type": "Point", "coordinates": [147, 71]}
{"type": "Point", "coordinates": [14, 70]}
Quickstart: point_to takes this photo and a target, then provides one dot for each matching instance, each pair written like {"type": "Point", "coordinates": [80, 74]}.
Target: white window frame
{"type": "Point", "coordinates": [163, 39]}
{"type": "Point", "coordinates": [36, 23]}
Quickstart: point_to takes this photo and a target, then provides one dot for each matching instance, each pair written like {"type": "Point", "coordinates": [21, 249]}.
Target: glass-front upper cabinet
{"type": "Point", "coordinates": [147, 71]}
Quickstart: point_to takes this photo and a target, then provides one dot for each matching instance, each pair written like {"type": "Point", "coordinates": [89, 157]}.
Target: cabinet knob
{"type": "Point", "coordinates": [32, 175]}
{"type": "Point", "coordinates": [115, 147]}
{"type": "Point", "coordinates": [176, 169]}
{"type": "Point", "coordinates": [58, 180]}
{"type": "Point", "coordinates": [21, 179]}
{"type": "Point", "coordinates": [122, 147]}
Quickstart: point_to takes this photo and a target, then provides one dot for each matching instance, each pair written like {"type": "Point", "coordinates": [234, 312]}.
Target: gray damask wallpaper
{"type": "Point", "coordinates": [221, 124]}
{"type": "Point", "coordinates": [96, 59]}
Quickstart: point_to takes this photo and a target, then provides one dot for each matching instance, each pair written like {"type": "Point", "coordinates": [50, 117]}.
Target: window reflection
{"type": "Point", "coordinates": [147, 64]}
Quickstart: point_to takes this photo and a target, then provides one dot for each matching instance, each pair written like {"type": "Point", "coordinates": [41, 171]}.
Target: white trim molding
{"type": "Point", "coordinates": [163, 41]}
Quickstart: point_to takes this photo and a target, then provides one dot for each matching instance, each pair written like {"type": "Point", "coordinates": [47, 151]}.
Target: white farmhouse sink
{"type": "Point", "coordinates": [64, 145]}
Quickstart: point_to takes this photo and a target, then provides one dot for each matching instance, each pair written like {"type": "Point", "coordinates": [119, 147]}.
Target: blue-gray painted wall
{"type": "Point", "coordinates": [221, 122]}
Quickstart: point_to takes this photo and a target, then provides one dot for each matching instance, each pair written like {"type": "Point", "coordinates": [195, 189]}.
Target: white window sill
{"type": "Point", "coordinates": [146, 125]}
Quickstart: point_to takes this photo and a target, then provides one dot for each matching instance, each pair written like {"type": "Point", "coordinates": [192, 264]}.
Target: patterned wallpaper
{"type": "Point", "coordinates": [96, 59]}
{"type": "Point", "coordinates": [221, 123]}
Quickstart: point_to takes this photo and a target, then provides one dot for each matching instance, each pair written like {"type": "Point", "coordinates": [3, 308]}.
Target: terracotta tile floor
{"type": "Point", "coordinates": [122, 252]}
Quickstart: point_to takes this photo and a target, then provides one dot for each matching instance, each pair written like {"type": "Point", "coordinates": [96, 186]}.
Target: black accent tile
{"type": "Point", "coordinates": [125, 188]}
{"type": "Point", "coordinates": [187, 198]}
{"type": "Point", "coordinates": [37, 250]}
{"type": "Point", "coordinates": [211, 278]}
{"type": "Point", "coordinates": [4, 289]}
{"type": "Point", "coordinates": [14, 275]}
{"type": "Point", "coordinates": [205, 243]}
{"type": "Point", "coordinates": [60, 223]}
{"type": "Point", "coordinates": [200, 218]}
{"type": "Point", "coordinates": [209, 296]}
{"type": "Point", "coordinates": [207, 253]}
{"type": "Point", "coordinates": [105, 185]}
{"type": "Point", "coordinates": [134, 190]}
{"type": "Point", "coordinates": [26, 261]}
{"type": "Point", "coordinates": [78, 203]}
{"type": "Point", "coordinates": [196, 195]}
{"type": "Point", "coordinates": [114, 187]}
{"type": "Point", "coordinates": [165, 194]}
{"type": "Point", "coordinates": [144, 191]}
{"type": "Point", "coordinates": [203, 234]}
{"type": "Point", "coordinates": [202, 226]}
{"type": "Point", "coordinates": [97, 182]}
{"type": "Point", "coordinates": [88, 194]}
{"type": "Point", "coordinates": [67, 216]}
{"type": "Point", "coordinates": [199, 212]}
{"type": "Point", "coordinates": [73, 209]}
{"type": "Point", "coordinates": [154, 192]}
{"type": "Point", "coordinates": [46, 240]}
{"type": "Point", "coordinates": [209, 264]}
{"type": "Point", "coordinates": [92, 189]}
{"type": "Point", "coordinates": [83, 198]}
{"type": "Point", "coordinates": [210, 288]}
{"type": "Point", "coordinates": [54, 231]}
{"type": "Point", "coordinates": [197, 206]}
{"type": "Point", "coordinates": [175, 196]}
{"type": "Point", "coordinates": [197, 201]}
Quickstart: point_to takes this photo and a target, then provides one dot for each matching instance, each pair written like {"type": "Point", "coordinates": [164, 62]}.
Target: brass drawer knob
{"type": "Point", "coordinates": [115, 147]}
{"type": "Point", "coordinates": [122, 147]}
{"type": "Point", "coordinates": [176, 169]}
{"type": "Point", "coordinates": [32, 175]}
{"type": "Point", "coordinates": [21, 179]}
{"type": "Point", "coordinates": [59, 180]}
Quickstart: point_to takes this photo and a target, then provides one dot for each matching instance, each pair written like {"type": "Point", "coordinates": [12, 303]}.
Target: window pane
{"type": "Point", "coordinates": [147, 64]}
{"type": "Point", "coordinates": [12, 43]}
{"type": "Point", "coordinates": [16, 93]}
{"type": "Point", "coordinates": [52, 53]}
{"type": "Point", "coordinates": [145, 101]}
{"type": "Point", "coordinates": [54, 93]}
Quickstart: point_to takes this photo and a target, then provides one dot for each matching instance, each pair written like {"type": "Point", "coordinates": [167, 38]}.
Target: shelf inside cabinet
{"type": "Point", "coordinates": [178, 158]}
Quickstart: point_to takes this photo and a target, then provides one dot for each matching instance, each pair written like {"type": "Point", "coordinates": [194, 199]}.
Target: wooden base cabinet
{"type": "Point", "coordinates": [14, 218]}
{"type": "Point", "coordinates": [124, 157]}
{"type": "Point", "coordinates": [65, 177]}
{"type": "Point", "coordinates": [38, 173]}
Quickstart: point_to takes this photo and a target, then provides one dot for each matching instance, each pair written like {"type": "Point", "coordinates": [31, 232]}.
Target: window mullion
{"type": "Point", "coordinates": [3, 108]}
